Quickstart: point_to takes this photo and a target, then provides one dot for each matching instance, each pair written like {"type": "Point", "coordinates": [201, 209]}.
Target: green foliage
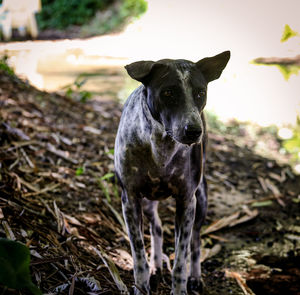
{"type": "Point", "coordinates": [73, 91]}
{"type": "Point", "coordinates": [108, 187]}
{"type": "Point", "coordinates": [288, 33]}
{"type": "Point", "coordinates": [115, 17]}
{"type": "Point", "coordinates": [292, 145]}
{"type": "Point", "coordinates": [133, 8]}
{"type": "Point", "coordinates": [288, 70]}
{"type": "Point", "coordinates": [107, 176]}
{"type": "Point", "coordinates": [14, 270]}
{"type": "Point", "coordinates": [5, 67]}
{"type": "Point", "coordinates": [213, 121]}
{"type": "Point", "coordinates": [60, 14]}
{"type": "Point", "coordinates": [110, 152]}
{"type": "Point", "coordinates": [79, 171]}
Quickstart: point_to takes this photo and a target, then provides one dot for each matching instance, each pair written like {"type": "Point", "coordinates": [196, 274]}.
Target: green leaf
{"type": "Point", "coordinates": [69, 92]}
{"type": "Point", "coordinates": [110, 152]}
{"type": "Point", "coordinates": [79, 82]}
{"type": "Point", "coordinates": [288, 33]}
{"type": "Point", "coordinates": [107, 176]}
{"type": "Point", "coordinates": [5, 67]}
{"type": "Point", "coordinates": [84, 96]}
{"type": "Point", "coordinates": [262, 204]}
{"type": "Point", "coordinates": [14, 270]}
{"type": "Point", "coordinates": [292, 145]}
{"type": "Point", "coordinates": [288, 70]}
{"type": "Point", "coordinates": [79, 171]}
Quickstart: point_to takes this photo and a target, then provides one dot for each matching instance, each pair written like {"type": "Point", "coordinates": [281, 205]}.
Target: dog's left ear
{"type": "Point", "coordinates": [140, 70]}
{"type": "Point", "coordinates": [212, 67]}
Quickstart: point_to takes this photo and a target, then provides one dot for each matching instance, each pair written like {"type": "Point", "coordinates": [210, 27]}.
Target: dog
{"type": "Point", "coordinates": [160, 153]}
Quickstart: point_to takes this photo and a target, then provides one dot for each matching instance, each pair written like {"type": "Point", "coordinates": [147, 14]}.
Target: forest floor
{"type": "Point", "coordinates": [58, 196]}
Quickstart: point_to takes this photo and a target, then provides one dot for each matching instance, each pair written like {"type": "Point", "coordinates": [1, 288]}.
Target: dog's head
{"type": "Point", "coordinates": [176, 92]}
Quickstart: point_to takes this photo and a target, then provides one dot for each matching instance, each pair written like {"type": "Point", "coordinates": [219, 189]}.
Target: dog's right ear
{"type": "Point", "coordinates": [140, 70]}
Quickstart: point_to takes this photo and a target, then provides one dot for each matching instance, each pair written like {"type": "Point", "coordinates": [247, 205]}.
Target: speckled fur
{"type": "Point", "coordinates": [155, 158]}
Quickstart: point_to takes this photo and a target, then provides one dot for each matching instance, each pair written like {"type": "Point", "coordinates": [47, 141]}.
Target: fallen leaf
{"type": "Point", "coordinates": [122, 259]}
{"type": "Point", "coordinates": [231, 220]}
{"type": "Point", "coordinates": [240, 280]}
{"type": "Point", "coordinates": [221, 223]}
{"type": "Point", "coordinates": [112, 269]}
{"type": "Point", "coordinates": [210, 252]}
{"type": "Point", "coordinates": [250, 215]}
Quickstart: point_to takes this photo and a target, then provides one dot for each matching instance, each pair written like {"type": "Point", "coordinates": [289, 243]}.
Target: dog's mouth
{"type": "Point", "coordinates": [189, 141]}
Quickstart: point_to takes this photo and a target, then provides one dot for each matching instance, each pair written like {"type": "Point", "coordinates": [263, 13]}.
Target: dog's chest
{"type": "Point", "coordinates": [157, 176]}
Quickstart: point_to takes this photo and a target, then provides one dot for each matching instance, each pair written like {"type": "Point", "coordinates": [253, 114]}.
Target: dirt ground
{"type": "Point", "coordinates": [58, 196]}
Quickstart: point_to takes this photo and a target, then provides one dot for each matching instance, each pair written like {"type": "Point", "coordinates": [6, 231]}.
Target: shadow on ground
{"type": "Point", "coordinates": [58, 196]}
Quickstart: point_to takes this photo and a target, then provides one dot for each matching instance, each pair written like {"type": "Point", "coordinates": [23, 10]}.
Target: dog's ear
{"type": "Point", "coordinates": [212, 67]}
{"type": "Point", "coordinates": [140, 70]}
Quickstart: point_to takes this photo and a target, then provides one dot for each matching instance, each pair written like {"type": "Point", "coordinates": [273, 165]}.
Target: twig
{"type": "Point", "coordinates": [50, 187]}
{"type": "Point", "coordinates": [287, 61]}
{"type": "Point", "coordinates": [31, 165]}
{"type": "Point", "coordinates": [9, 233]}
{"type": "Point", "coordinates": [48, 260]}
{"type": "Point", "coordinates": [51, 148]}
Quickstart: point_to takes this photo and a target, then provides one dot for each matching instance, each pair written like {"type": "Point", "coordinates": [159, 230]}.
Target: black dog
{"type": "Point", "coordinates": [160, 152]}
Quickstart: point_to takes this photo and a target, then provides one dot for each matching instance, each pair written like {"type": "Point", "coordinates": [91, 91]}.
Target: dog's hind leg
{"type": "Point", "coordinates": [132, 211]}
{"type": "Point", "coordinates": [195, 281]}
{"type": "Point", "coordinates": [150, 211]}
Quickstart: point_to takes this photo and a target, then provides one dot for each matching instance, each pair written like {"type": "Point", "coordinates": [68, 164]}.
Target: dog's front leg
{"type": "Point", "coordinates": [185, 214]}
{"type": "Point", "coordinates": [195, 282]}
{"type": "Point", "coordinates": [132, 211]}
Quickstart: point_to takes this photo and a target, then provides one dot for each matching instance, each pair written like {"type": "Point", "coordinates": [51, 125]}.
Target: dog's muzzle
{"type": "Point", "coordinates": [192, 133]}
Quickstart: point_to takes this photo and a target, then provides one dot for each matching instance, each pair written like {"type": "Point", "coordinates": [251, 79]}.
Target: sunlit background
{"type": "Point", "coordinates": [191, 30]}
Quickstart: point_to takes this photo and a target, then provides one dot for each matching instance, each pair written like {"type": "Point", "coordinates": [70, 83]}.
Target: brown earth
{"type": "Point", "coordinates": [58, 196]}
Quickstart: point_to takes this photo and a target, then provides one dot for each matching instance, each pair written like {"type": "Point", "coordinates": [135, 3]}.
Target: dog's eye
{"type": "Point", "coordinates": [167, 93]}
{"type": "Point", "coordinates": [201, 93]}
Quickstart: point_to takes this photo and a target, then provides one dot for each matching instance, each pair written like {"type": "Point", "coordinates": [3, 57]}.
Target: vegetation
{"type": "Point", "coordinates": [5, 67]}
{"type": "Point", "coordinates": [292, 145]}
{"type": "Point", "coordinates": [288, 33]}
{"type": "Point", "coordinates": [14, 271]}
{"type": "Point", "coordinates": [60, 14]}
{"type": "Point", "coordinates": [288, 66]}
{"type": "Point", "coordinates": [63, 13]}
{"type": "Point", "coordinates": [118, 15]}
{"type": "Point", "coordinates": [74, 91]}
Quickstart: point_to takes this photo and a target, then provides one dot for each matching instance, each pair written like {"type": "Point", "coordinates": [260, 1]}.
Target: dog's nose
{"type": "Point", "coordinates": [192, 132]}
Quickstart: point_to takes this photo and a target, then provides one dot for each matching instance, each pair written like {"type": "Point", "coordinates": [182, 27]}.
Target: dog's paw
{"type": "Point", "coordinates": [195, 285]}
{"type": "Point", "coordinates": [155, 279]}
